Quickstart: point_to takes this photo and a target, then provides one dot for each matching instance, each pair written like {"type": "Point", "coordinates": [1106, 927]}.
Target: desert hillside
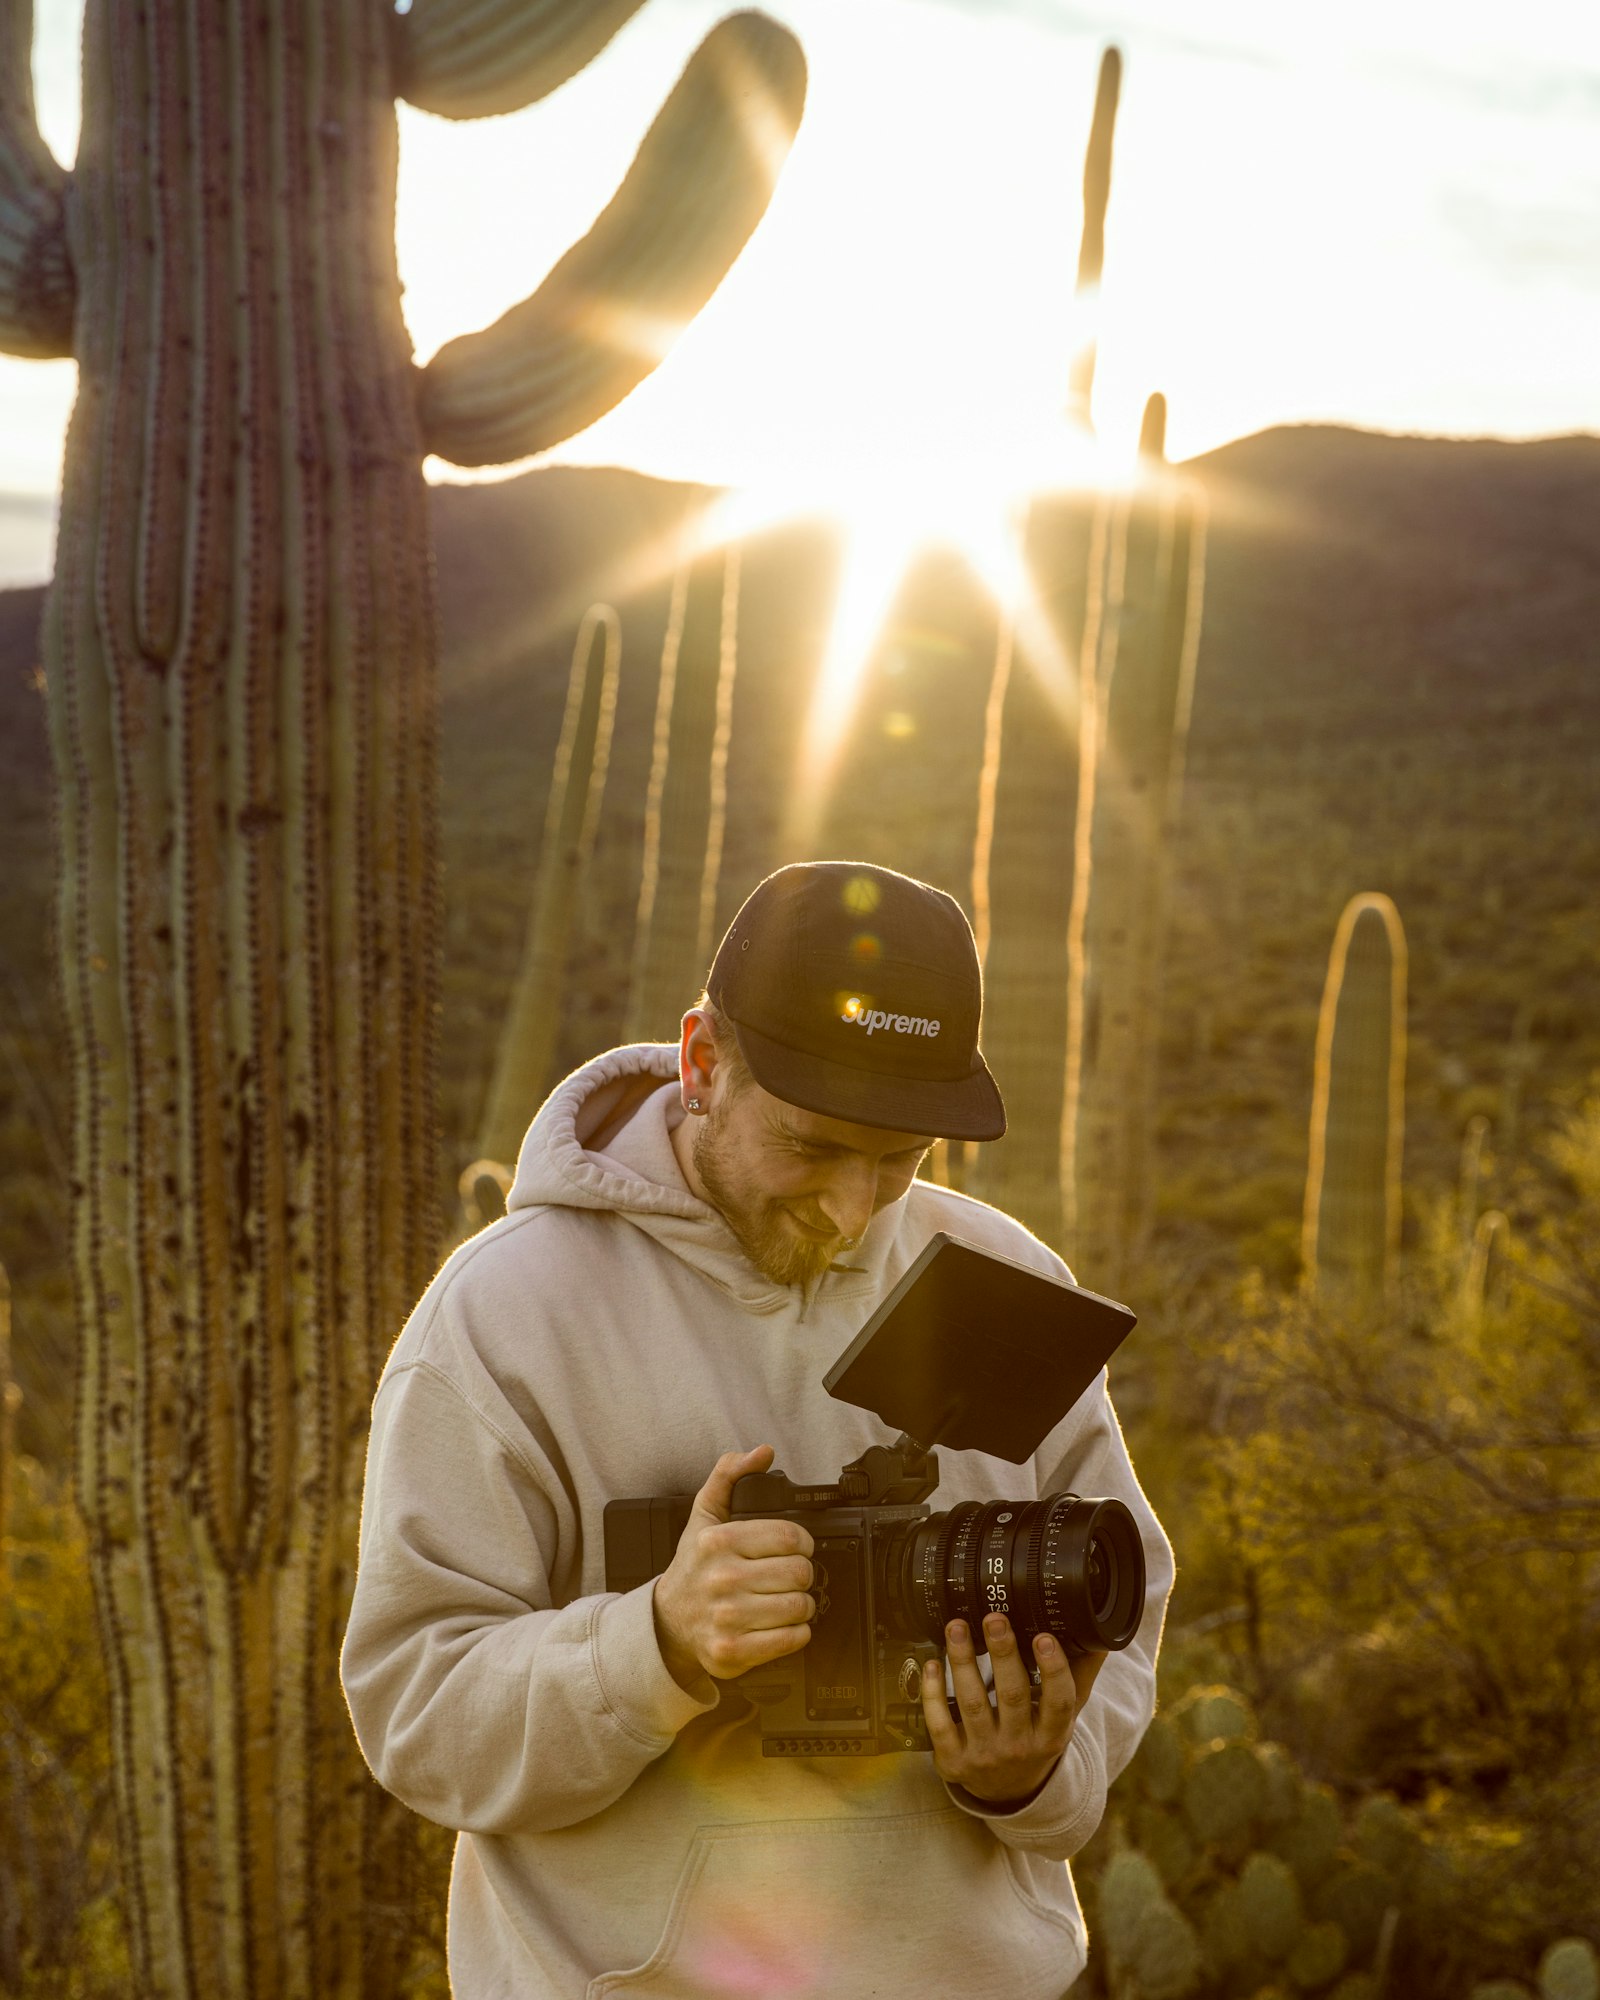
{"type": "Point", "coordinates": [1398, 689]}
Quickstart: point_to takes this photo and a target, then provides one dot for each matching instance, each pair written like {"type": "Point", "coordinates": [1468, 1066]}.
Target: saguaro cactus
{"type": "Point", "coordinates": [1491, 1243]}
{"type": "Point", "coordinates": [572, 814]}
{"type": "Point", "coordinates": [10, 1403]}
{"type": "Point", "coordinates": [687, 805]}
{"type": "Point", "coordinates": [1135, 717]}
{"type": "Point", "coordinates": [1092, 242]}
{"type": "Point", "coordinates": [1351, 1231]}
{"type": "Point", "coordinates": [239, 655]}
{"type": "Point", "coordinates": [1027, 806]}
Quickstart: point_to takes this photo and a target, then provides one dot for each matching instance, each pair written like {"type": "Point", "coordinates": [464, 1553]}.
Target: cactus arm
{"type": "Point", "coordinates": [614, 304]}
{"type": "Point", "coordinates": [37, 292]}
{"type": "Point", "coordinates": [478, 58]}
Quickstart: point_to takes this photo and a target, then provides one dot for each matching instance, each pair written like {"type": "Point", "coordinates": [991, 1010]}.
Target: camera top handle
{"type": "Point", "coordinates": [901, 1474]}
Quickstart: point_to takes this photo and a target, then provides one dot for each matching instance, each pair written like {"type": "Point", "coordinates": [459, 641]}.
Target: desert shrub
{"type": "Point", "coordinates": [61, 1935]}
{"type": "Point", "coordinates": [1407, 1497]}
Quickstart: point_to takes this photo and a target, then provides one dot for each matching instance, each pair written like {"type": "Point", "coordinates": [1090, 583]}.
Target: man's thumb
{"type": "Point", "coordinates": [715, 1499]}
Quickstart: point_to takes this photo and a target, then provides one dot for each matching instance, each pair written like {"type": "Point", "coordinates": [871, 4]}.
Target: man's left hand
{"type": "Point", "coordinates": [1003, 1752]}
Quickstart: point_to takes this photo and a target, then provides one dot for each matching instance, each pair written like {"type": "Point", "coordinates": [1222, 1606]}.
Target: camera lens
{"type": "Point", "coordinates": [1100, 1568]}
{"type": "Point", "coordinates": [1064, 1565]}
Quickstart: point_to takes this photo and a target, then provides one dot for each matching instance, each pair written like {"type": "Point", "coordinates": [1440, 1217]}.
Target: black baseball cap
{"type": "Point", "coordinates": [855, 992]}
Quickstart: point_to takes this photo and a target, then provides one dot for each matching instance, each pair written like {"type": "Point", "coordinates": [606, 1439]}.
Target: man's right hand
{"type": "Point", "coordinates": [737, 1593]}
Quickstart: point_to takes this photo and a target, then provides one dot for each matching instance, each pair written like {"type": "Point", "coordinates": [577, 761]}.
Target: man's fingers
{"type": "Point", "coordinates": [1084, 1672]}
{"type": "Point", "coordinates": [972, 1697]}
{"type": "Point", "coordinates": [735, 1655]}
{"type": "Point", "coordinates": [778, 1573]}
{"type": "Point", "coordinates": [715, 1498]}
{"type": "Point", "coordinates": [767, 1611]}
{"type": "Point", "coordinates": [1058, 1690]}
{"type": "Point", "coordinates": [1012, 1686]}
{"type": "Point", "coordinates": [754, 1540]}
{"type": "Point", "coordinates": [944, 1738]}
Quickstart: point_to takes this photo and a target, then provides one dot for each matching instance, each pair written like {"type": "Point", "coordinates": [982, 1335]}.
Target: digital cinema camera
{"type": "Point", "coordinates": [981, 1354]}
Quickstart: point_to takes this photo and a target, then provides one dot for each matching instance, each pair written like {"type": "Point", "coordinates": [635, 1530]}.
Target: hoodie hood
{"type": "Point", "coordinates": [556, 1167]}
{"type": "Point", "coordinates": [603, 1139]}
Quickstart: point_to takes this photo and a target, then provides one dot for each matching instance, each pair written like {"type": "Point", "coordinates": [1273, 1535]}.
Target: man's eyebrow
{"type": "Point", "coordinates": [787, 1131]}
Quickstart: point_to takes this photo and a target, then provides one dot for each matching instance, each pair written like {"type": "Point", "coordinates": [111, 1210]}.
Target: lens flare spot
{"type": "Point", "coordinates": [740, 1960]}
{"type": "Point", "coordinates": [898, 726]}
{"type": "Point", "coordinates": [861, 895]}
{"type": "Point", "coordinates": [853, 1006]}
{"type": "Point", "coordinates": [866, 948]}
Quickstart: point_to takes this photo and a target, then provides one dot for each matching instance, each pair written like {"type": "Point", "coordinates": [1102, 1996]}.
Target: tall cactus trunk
{"type": "Point", "coordinates": [239, 651]}
{"type": "Point", "coordinates": [1137, 694]}
{"type": "Point", "coordinates": [1028, 788]}
{"type": "Point", "coordinates": [572, 814]}
{"type": "Point", "coordinates": [1351, 1232]}
{"type": "Point", "coordinates": [10, 1403]}
{"type": "Point", "coordinates": [1022, 876]}
{"type": "Point", "coordinates": [687, 806]}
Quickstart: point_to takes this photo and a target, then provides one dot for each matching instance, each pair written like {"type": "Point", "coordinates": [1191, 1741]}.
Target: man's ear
{"type": "Point", "coordinates": [697, 1061]}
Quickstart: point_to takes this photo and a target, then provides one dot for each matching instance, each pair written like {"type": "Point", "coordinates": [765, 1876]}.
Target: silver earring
{"type": "Point", "coordinates": [694, 1104]}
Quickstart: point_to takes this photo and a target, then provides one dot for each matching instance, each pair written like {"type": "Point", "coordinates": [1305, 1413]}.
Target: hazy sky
{"type": "Point", "coordinates": [1387, 214]}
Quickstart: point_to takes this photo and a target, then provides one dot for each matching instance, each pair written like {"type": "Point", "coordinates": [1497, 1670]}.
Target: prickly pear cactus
{"type": "Point", "coordinates": [1351, 1232]}
{"type": "Point", "coordinates": [239, 656]}
{"type": "Point", "coordinates": [572, 815]}
{"type": "Point", "coordinates": [1280, 1891]}
{"type": "Point", "coordinates": [1154, 1951]}
{"type": "Point", "coordinates": [1570, 1970]}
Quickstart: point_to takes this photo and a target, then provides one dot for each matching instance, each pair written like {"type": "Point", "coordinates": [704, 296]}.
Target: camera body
{"type": "Point", "coordinates": [889, 1574]}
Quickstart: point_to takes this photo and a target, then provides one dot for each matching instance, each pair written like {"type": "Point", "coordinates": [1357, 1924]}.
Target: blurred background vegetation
{"type": "Point", "coordinates": [1376, 1770]}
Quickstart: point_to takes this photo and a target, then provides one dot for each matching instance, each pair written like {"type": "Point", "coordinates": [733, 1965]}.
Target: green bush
{"type": "Point", "coordinates": [61, 1935]}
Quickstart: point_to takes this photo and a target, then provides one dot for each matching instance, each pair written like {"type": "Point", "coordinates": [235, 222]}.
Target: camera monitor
{"type": "Point", "coordinates": [973, 1351]}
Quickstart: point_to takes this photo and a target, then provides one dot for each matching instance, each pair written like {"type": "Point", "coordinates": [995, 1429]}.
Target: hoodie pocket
{"type": "Point", "coordinates": [897, 1908]}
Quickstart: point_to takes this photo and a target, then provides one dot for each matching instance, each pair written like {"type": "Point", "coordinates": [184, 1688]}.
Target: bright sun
{"type": "Point", "coordinates": [889, 511]}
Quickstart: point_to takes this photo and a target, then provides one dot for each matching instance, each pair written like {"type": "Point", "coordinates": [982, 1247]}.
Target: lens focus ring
{"type": "Point", "coordinates": [1069, 1566]}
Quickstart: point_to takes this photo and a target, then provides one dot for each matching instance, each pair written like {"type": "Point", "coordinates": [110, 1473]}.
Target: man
{"type": "Point", "coordinates": [693, 1237]}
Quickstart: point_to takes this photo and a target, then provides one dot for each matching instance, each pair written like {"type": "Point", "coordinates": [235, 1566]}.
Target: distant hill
{"type": "Point", "coordinates": [1398, 689]}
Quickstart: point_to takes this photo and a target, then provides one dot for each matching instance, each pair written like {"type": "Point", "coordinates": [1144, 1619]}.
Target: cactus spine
{"type": "Point", "coordinates": [1027, 802]}
{"type": "Point", "coordinates": [577, 787]}
{"type": "Point", "coordinates": [687, 804]}
{"type": "Point", "coordinates": [1135, 717]}
{"type": "Point", "coordinates": [239, 655]}
{"type": "Point", "coordinates": [1351, 1230]}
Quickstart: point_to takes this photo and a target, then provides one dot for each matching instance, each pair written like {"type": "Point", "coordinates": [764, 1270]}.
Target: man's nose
{"type": "Point", "coordinates": [848, 1198]}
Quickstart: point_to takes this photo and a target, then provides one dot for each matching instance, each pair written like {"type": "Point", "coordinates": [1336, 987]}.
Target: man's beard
{"type": "Point", "coordinates": [757, 1221]}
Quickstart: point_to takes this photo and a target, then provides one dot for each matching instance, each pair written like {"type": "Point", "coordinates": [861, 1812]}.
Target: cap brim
{"type": "Point", "coordinates": [967, 1107]}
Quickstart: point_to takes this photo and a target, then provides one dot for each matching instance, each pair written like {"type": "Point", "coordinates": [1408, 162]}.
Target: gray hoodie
{"type": "Point", "coordinates": [618, 1835]}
